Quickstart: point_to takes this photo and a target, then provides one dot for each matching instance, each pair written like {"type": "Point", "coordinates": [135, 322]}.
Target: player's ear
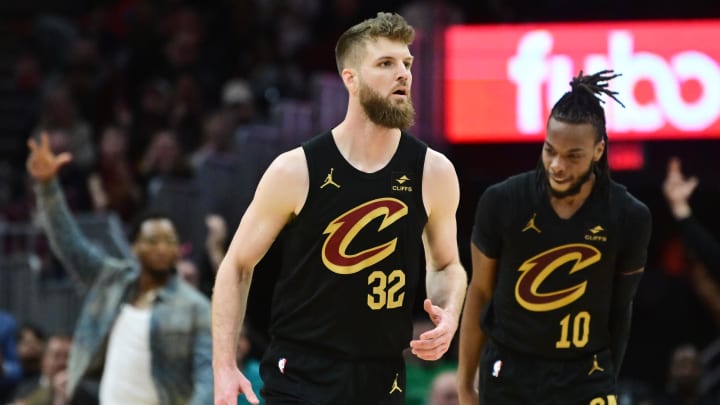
{"type": "Point", "coordinates": [599, 149]}
{"type": "Point", "coordinates": [350, 79]}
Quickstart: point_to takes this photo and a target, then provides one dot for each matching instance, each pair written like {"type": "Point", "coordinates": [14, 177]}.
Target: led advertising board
{"type": "Point", "coordinates": [502, 80]}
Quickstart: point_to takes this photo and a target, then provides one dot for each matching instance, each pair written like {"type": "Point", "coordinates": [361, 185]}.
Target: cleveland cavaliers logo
{"type": "Point", "coordinates": [342, 230]}
{"type": "Point", "coordinates": [538, 268]}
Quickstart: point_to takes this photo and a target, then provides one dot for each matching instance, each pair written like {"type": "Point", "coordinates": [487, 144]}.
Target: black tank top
{"type": "Point", "coordinates": [352, 256]}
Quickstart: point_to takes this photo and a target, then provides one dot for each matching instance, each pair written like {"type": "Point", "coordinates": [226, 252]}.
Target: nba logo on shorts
{"type": "Point", "coordinates": [496, 368]}
{"type": "Point", "coordinates": [281, 364]}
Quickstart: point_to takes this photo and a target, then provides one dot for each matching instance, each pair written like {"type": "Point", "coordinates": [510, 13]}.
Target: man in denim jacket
{"type": "Point", "coordinates": [147, 331]}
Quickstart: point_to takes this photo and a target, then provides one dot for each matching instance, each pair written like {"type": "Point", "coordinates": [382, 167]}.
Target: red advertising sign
{"type": "Point", "coordinates": [502, 80]}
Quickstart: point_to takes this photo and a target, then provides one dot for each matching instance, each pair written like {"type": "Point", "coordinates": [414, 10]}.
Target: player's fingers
{"type": "Point", "coordinates": [252, 398]}
{"type": "Point", "coordinates": [246, 389]}
{"type": "Point", "coordinates": [431, 339]}
{"type": "Point", "coordinates": [434, 311]}
{"type": "Point", "coordinates": [430, 354]}
{"type": "Point", "coordinates": [428, 306]}
{"type": "Point", "coordinates": [44, 140]}
{"type": "Point", "coordinates": [433, 334]}
{"type": "Point", "coordinates": [31, 144]}
{"type": "Point", "coordinates": [432, 349]}
{"type": "Point", "coordinates": [63, 158]}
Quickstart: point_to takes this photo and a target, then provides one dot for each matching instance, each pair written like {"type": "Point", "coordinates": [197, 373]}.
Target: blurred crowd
{"type": "Point", "coordinates": [180, 106]}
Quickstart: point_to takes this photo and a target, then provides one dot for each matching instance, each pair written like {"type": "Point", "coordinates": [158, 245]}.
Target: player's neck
{"type": "Point", "coordinates": [365, 145]}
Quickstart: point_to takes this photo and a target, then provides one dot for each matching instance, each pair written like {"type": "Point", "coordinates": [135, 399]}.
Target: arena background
{"type": "Point", "coordinates": [171, 63]}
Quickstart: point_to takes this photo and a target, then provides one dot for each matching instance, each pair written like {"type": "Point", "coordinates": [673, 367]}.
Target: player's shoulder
{"type": "Point", "coordinates": [627, 202]}
{"type": "Point", "coordinates": [515, 185]}
{"type": "Point", "coordinates": [509, 195]}
{"type": "Point", "coordinates": [289, 164]}
{"type": "Point", "coordinates": [437, 163]}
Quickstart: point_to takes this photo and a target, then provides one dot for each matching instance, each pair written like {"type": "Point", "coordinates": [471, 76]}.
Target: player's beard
{"type": "Point", "coordinates": [574, 188]}
{"type": "Point", "coordinates": [384, 112]}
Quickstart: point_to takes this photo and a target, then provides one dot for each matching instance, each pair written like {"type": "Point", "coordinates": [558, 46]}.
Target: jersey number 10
{"type": "Point", "coordinates": [580, 331]}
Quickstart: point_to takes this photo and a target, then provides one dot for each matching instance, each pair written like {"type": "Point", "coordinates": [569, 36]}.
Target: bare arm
{"type": "Point", "coordinates": [279, 195]}
{"type": "Point", "coordinates": [446, 279]}
{"type": "Point", "coordinates": [472, 338]}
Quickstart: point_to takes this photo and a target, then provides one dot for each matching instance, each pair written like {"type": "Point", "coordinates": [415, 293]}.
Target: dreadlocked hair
{"type": "Point", "coordinates": [583, 105]}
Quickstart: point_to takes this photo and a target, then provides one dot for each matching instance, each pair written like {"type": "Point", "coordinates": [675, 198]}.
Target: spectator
{"type": "Point", "coordinates": [147, 332]}
{"type": "Point", "coordinates": [60, 113]}
{"type": "Point", "coordinates": [239, 102]}
{"type": "Point", "coordinates": [217, 143]}
{"type": "Point", "coordinates": [113, 185]}
{"type": "Point", "coordinates": [10, 371]}
{"type": "Point", "coordinates": [164, 160]}
{"type": "Point", "coordinates": [40, 391]}
{"type": "Point", "coordinates": [684, 374]}
{"type": "Point", "coordinates": [678, 189]}
{"type": "Point", "coordinates": [30, 347]}
{"type": "Point", "coordinates": [442, 389]}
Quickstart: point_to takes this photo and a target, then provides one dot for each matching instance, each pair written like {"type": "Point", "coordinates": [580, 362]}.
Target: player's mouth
{"type": "Point", "coordinates": [402, 92]}
{"type": "Point", "coordinates": [560, 180]}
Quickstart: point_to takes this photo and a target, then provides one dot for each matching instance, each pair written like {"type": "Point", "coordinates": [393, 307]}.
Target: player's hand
{"type": "Point", "coordinates": [229, 384]}
{"type": "Point", "coordinates": [434, 343]}
{"type": "Point", "coordinates": [678, 189]}
{"type": "Point", "coordinates": [43, 164]}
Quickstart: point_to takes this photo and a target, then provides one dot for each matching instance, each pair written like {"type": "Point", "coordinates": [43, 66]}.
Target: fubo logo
{"type": "Point", "coordinates": [502, 80]}
{"type": "Point", "coordinates": [535, 66]}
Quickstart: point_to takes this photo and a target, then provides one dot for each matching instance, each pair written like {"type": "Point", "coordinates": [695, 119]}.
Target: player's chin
{"type": "Point", "coordinates": [560, 187]}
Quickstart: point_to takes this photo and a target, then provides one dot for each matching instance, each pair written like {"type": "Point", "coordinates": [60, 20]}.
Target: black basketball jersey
{"type": "Point", "coordinates": [555, 276]}
{"type": "Point", "coordinates": [352, 256]}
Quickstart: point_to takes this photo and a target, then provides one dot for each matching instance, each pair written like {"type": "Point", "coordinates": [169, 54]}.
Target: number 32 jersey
{"type": "Point", "coordinates": [555, 276]}
{"type": "Point", "coordinates": [352, 256]}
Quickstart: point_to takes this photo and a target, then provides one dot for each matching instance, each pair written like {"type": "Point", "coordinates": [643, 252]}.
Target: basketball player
{"type": "Point", "coordinates": [356, 206]}
{"type": "Point", "coordinates": [557, 256]}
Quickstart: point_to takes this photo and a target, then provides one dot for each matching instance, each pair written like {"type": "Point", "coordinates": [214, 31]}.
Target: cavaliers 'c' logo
{"type": "Point", "coordinates": [538, 268]}
{"type": "Point", "coordinates": [344, 228]}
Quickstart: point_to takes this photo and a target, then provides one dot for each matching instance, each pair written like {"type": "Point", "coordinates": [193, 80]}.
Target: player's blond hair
{"type": "Point", "coordinates": [351, 44]}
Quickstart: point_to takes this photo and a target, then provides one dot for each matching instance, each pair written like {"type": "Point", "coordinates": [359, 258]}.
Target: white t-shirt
{"type": "Point", "coordinates": [126, 377]}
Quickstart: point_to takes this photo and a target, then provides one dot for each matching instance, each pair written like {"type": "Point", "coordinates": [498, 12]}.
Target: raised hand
{"type": "Point", "coordinates": [678, 189]}
{"type": "Point", "coordinates": [42, 164]}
